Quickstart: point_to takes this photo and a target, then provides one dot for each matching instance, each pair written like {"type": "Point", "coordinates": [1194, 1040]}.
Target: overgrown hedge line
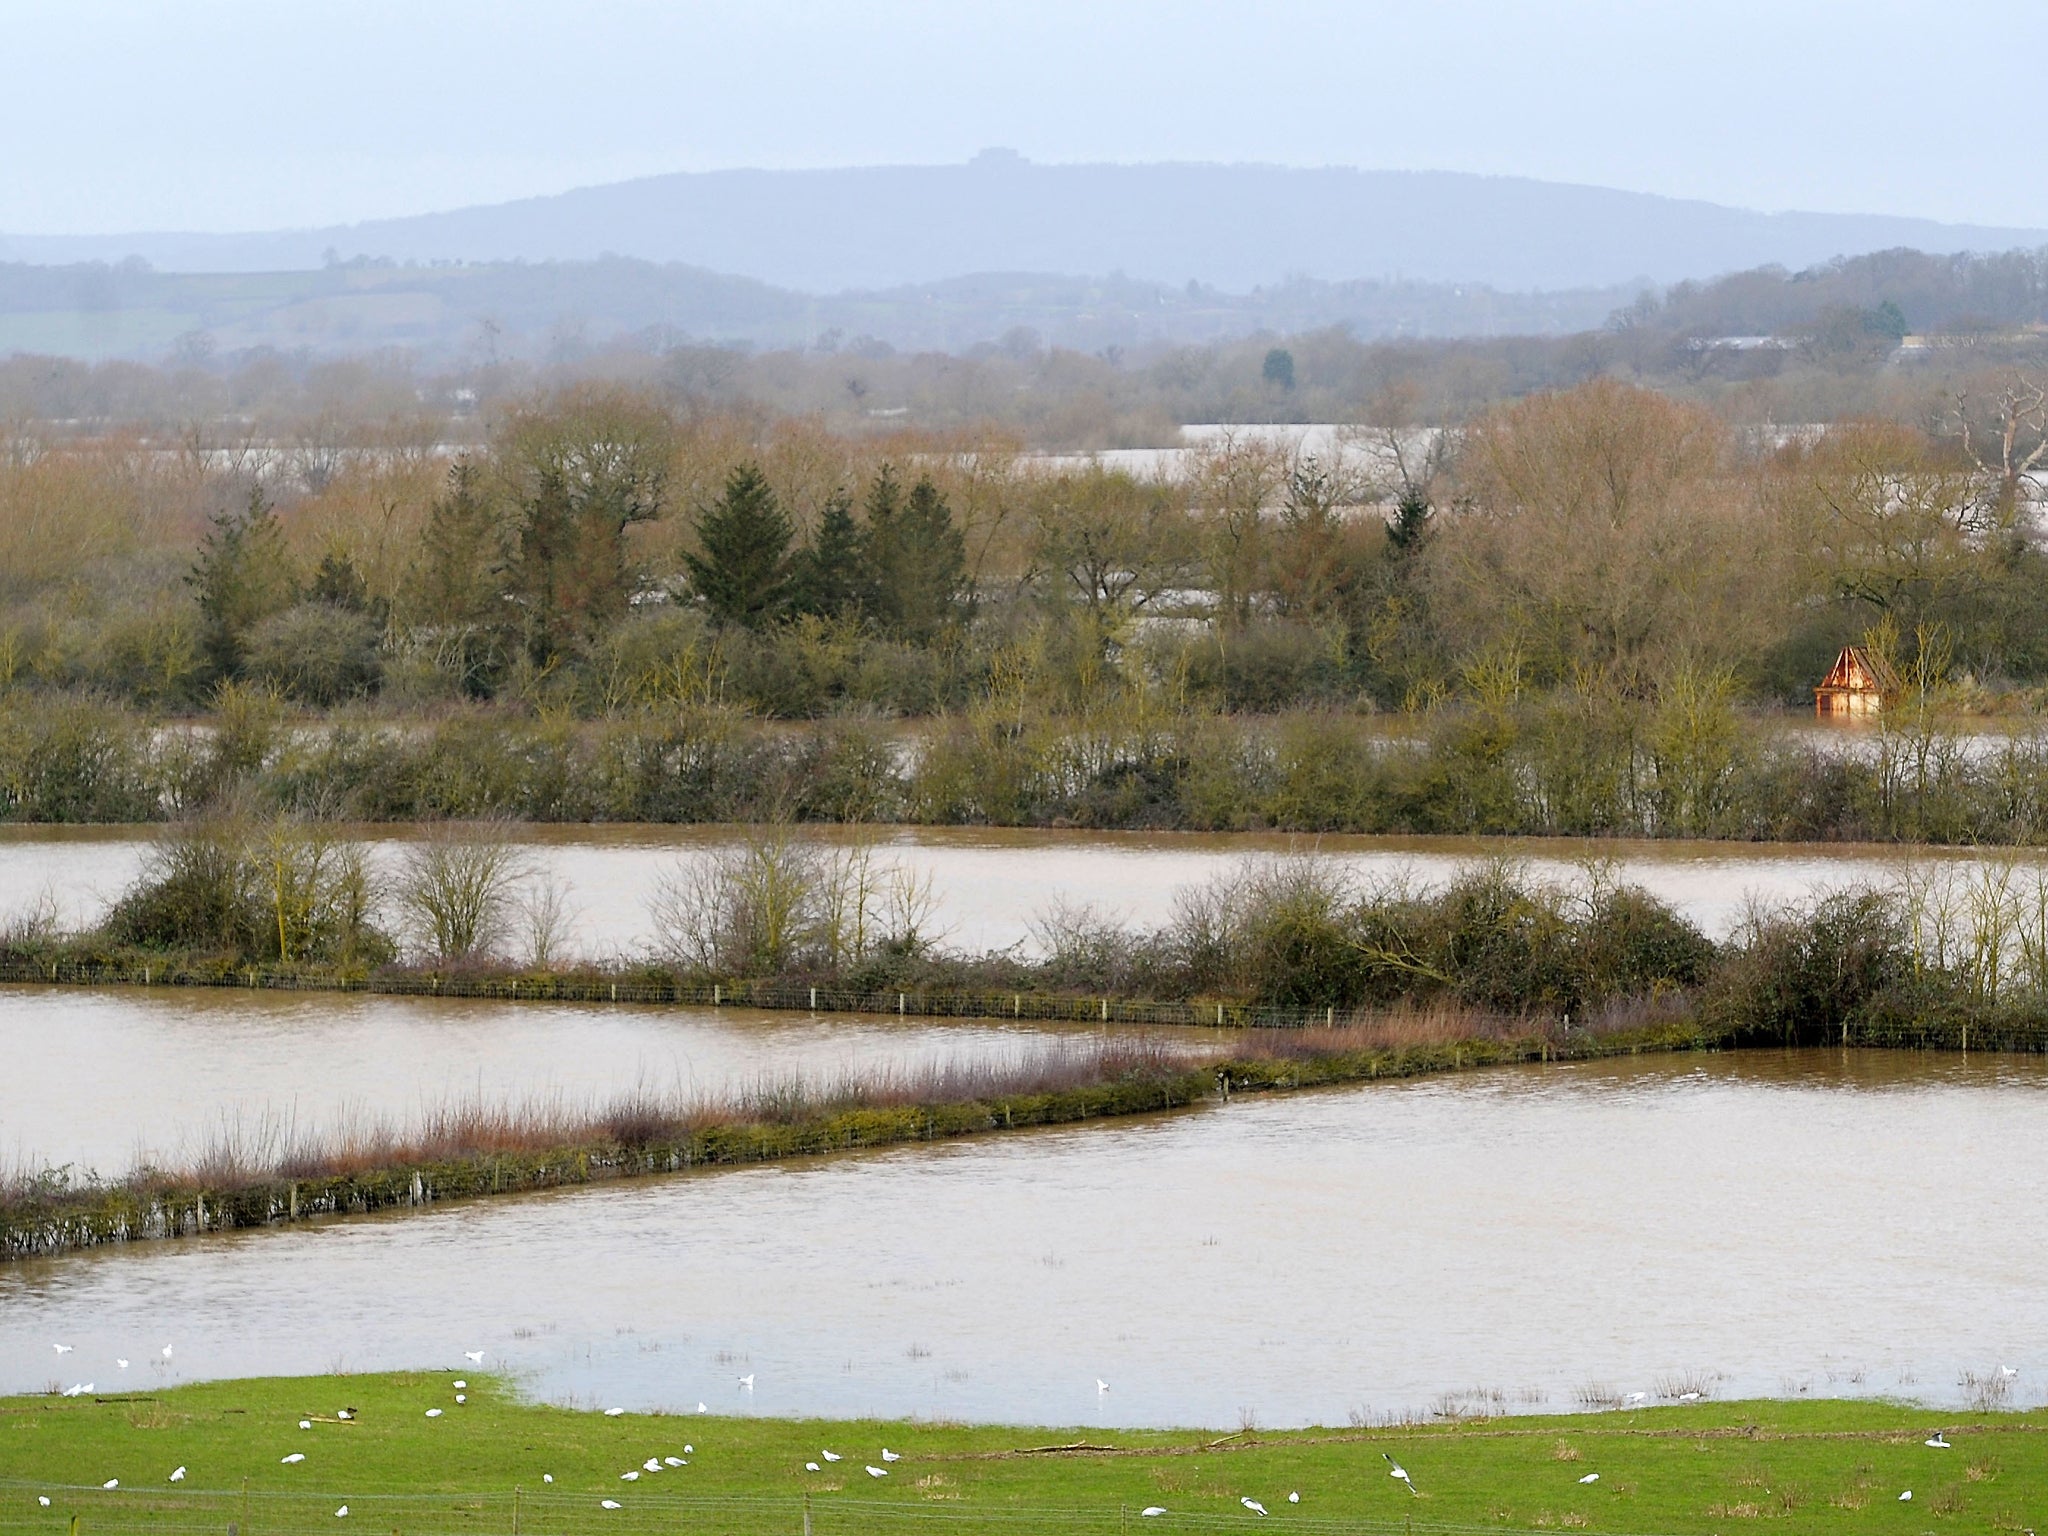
{"type": "Point", "coordinates": [42, 1221]}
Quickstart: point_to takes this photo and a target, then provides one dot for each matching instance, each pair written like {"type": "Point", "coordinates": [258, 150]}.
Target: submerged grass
{"type": "Point", "coordinates": [278, 1174]}
{"type": "Point", "coordinates": [1809, 1466]}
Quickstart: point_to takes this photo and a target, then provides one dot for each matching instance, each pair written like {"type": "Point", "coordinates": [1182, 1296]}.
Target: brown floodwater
{"type": "Point", "coordinates": [107, 1079]}
{"type": "Point", "coordinates": [990, 884]}
{"type": "Point", "coordinates": [1761, 1223]}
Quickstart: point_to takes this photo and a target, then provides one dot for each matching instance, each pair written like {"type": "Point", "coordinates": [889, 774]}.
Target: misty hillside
{"type": "Point", "coordinates": [1235, 227]}
{"type": "Point", "coordinates": [555, 311]}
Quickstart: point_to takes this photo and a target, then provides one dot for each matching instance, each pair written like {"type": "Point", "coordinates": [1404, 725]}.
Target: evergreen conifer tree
{"type": "Point", "coordinates": [742, 572]}
{"type": "Point", "coordinates": [917, 557]}
{"type": "Point", "coordinates": [830, 576]}
{"type": "Point", "coordinates": [241, 578]}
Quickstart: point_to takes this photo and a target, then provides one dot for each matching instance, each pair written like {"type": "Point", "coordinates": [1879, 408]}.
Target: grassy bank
{"type": "Point", "coordinates": [484, 1150]}
{"type": "Point", "coordinates": [480, 1466]}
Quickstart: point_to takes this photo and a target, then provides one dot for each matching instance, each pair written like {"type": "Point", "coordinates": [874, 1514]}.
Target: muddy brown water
{"type": "Point", "coordinates": [990, 884]}
{"type": "Point", "coordinates": [105, 1080]}
{"type": "Point", "coordinates": [1758, 1223]}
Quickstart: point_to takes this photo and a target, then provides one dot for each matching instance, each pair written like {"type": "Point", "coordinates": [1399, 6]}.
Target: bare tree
{"type": "Point", "coordinates": [457, 889]}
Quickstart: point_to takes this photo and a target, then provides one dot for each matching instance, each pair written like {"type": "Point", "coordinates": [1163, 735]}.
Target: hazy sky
{"type": "Point", "coordinates": [242, 114]}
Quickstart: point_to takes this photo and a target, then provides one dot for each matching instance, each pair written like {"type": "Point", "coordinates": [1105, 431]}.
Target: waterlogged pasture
{"type": "Point", "coordinates": [988, 885]}
{"type": "Point", "coordinates": [106, 1080]}
{"type": "Point", "coordinates": [1748, 1224]}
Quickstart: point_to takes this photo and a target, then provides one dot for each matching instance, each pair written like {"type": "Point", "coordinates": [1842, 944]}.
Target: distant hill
{"type": "Point", "coordinates": [557, 310]}
{"type": "Point", "coordinates": [1234, 227]}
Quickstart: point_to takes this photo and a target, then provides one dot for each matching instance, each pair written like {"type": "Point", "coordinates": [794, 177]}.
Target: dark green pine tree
{"type": "Point", "coordinates": [917, 558]}
{"type": "Point", "coordinates": [742, 573]}
{"type": "Point", "coordinates": [1411, 524]}
{"type": "Point", "coordinates": [830, 576]}
{"type": "Point", "coordinates": [241, 578]}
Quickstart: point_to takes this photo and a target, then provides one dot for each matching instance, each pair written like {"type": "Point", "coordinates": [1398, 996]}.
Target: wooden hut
{"type": "Point", "coordinates": [1854, 688]}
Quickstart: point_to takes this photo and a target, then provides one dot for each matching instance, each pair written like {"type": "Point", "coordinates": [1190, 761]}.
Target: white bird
{"type": "Point", "coordinates": [1294, 1498]}
{"type": "Point", "coordinates": [608, 1504]}
{"type": "Point", "coordinates": [675, 1461]}
{"type": "Point", "coordinates": [651, 1464]}
{"type": "Point", "coordinates": [178, 1475]}
{"type": "Point", "coordinates": [341, 1513]}
{"type": "Point", "coordinates": [166, 1351]}
{"type": "Point", "coordinates": [1101, 1386]}
{"type": "Point", "coordinates": [1590, 1477]}
{"type": "Point", "coordinates": [473, 1356]}
{"type": "Point", "coordinates": [343, 1413]}
{"type": "Point", "coordinates": [1152, 1509]}
{"type": "Point", "coordinates": [305, 1423]}
{"type": "Point", "coordinates": [461, 1397]}
{"type": "Point", "coordinates": [829, 1455]}
{"type": "Point", "coordinates": [810, 1466]}
{"type": "Point", "coordinates": [433, 1413]}
{"type": "Point", "coordinates": [1688, 1397]}
{"type": "Point", "coordinates": [889, 1455]}
{"type": "Point", "coordinates": [2008, 1370]}
{"type": "Point", "coordinates": [1906, 1497]}
{"type": "Point", "coordinates": [613, 1413]}
{"type": "Point", "coordinates": [462, 1386]}
{"type": "Point", "coordinates": [689, 1450]}
{"type": "Point", "coordinates": [296, 1456]}
{"type": "Point", "coordinates": [1638, 1397]}
{"type": "Point", "coordinates": [876, 1472]}
{"type": "Point", "coordinates": [747, 1381]}
{"type": "Point", "coordinates": [62, 1349]}
{"type": "Point", "coordinates": [43, 1499]}
{"type": "Point", "coordinates": [121, 1364]}
{"type": "Point", "coordinates": [1401, 1472]}
{"type": "Point", "coordinates": [629, 1477]}
{"type": "Point", "coordinates": [547, 1477]}
{"type": "Point", "coordinates": [112, 1482]}
{"type": "Point", "coordinates": [1939, 1442]}
{"type": "Point", "coordinates": [1253, 1505]}
{"type": "Point", "coordinates": [702, 1409]}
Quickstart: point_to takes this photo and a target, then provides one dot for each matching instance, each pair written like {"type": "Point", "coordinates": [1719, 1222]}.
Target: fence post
{"type": "Point", "coordinates": [515, 1509]}
{"type": "Point", "coordinates": [899, 1005]}
{"type": "Point", "coordinates": [1105, 1010]}
{"type": "Point", "coordinates": [807, 1515]}
{"type": "Point", "coordinates": [717, 994]}
{"type": "Point", "coordinates": [814, 999]}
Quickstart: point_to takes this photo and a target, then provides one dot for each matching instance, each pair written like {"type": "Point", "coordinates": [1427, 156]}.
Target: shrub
{"type": "Point", "coordinates": [315, 653]}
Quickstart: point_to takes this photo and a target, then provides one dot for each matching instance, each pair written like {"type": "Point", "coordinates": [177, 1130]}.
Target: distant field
{"type": "Point", "coordinates": [484, 1465]}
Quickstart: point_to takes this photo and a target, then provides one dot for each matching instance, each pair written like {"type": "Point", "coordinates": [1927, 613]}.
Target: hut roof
{"type": "Point", "coordinates": [1856, 671]}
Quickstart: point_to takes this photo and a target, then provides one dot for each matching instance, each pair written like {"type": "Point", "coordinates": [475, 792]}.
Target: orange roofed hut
{"type": "Point", "coordinates": [1854, 688]}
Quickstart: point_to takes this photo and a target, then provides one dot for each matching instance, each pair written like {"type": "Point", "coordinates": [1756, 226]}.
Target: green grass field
{"type": "Point", "coordinates": [483, 1465]}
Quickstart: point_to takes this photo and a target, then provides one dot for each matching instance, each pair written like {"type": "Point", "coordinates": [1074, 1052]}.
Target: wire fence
{"type": "Point", "coordinates": [642, 988]}
{"type": "Point", "coordinates": [550, 1512]}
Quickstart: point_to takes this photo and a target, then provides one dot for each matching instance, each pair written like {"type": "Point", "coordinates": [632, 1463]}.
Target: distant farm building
{"type": "Point", "coordinates": [1853, 689]}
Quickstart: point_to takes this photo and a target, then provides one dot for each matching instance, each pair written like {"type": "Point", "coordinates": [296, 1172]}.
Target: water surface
{"type": "Point", "coordinates": [1768, 1224]}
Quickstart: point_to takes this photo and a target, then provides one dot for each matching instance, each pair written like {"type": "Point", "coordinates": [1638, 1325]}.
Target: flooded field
{"type": "Point", "coordinates": [989, 884]}
{"type": "Point", "coordinates": [1750, 1224]}
{"type": "Point", "coordinates": [104, 1080]}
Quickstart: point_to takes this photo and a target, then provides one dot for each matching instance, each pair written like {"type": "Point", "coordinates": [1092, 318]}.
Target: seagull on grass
{"type": "Point", "coordinates": [876, 1472]}
{"type": "Point", "coordinates": [1152, 1510]}
{"type": "Point", "coordinates": [178, 1475]}
{"type": "Point", "coordinates": [341, 1513]}
{"type": "Point", "coordinates": [1400, 1472]}
{"type": "Point", "coordinates": [608, 1504]}
{"type": "Point", "coordinates": [889, 1455]}
{"type": "Point", "coordinates": [829, 1455]}
{"type": "Point", "coordinates": [1253, 1505]}
{"type": "Point", "coordinates": [1590, 1477]}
